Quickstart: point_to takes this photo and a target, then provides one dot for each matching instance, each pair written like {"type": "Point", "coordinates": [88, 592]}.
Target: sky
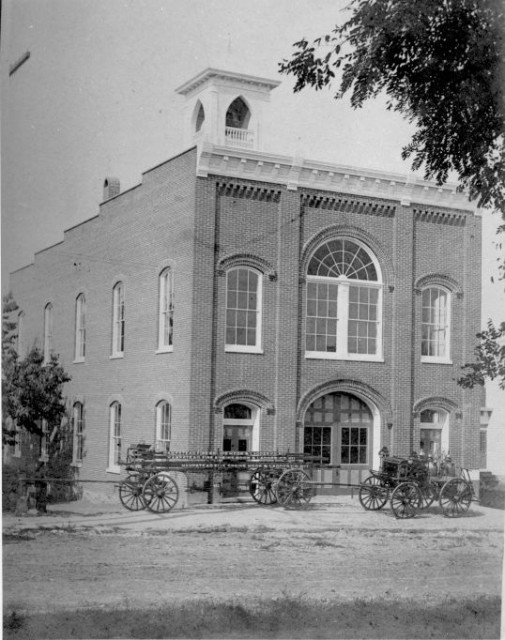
{"type": "Point", "coordinates": [97, 98]}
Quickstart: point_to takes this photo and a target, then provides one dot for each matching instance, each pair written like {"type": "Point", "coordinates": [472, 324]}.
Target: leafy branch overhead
{"type": "Point", "coordinates": [440, 64]}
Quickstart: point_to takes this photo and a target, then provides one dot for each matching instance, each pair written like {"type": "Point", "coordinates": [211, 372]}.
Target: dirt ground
{"type": "Point", "coordinates": [331, 550]}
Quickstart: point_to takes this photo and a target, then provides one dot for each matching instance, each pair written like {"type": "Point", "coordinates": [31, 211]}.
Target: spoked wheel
{"type": "Point", "coordinates": [262, 485]}
{"type": "Point", "coordinates": [428, 493]}
{"type": "Point", "coordinates": [161, 493]}
{"type": "Point", "coordinates": [405, 500]}
{"type": "Point", "coordinates": [373, 494]}
{"type": "Point", "coordinates": [455, 497]}
{"type": "Point", "coordinates": [293, 488]}
{"type": "Point", "coordinates": [130, 493]}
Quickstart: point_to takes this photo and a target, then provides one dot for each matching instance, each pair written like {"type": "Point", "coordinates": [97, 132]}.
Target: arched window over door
{"type": "Point", "coordinates": [238, 425]}
{"type": "Point", "coordinates": [434, 433]}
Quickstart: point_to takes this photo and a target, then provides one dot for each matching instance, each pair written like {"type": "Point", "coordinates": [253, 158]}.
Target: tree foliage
{"type": "Point", "coordinates": [33, 392]}
{"type": "Point", "coordinates": [9, 357]}
{"type": "Point", "coordinates": [440, 64]}
{"type": "Point", "coordinates": [489, 358]}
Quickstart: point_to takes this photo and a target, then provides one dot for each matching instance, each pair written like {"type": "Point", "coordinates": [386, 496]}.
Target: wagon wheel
{"type": "Point", "coordinates": [455, 497]}
{"type": "Point", "coordinates": [262, 485]}
{"type": "Point", "coordinates": [373, 494]}
{"type": "Point", "coordinates": [130, 493]}
{"type": "Point", "coordinates": [160, 493]}
{"type": "Point", "coordinates": [293, 488]}
{"type": "Point", "coordinates": [428, 493]}
{"type": "Point", "coordinates": [405, 500]}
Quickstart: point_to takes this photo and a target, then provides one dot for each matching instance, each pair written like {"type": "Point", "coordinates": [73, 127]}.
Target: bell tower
{"type": "Point", "coordinates": [225, 108]}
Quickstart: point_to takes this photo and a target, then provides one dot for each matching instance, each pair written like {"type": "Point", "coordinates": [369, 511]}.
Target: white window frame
{"type": "Point", "coordinates": [163, 422]}
{"type": "Point", "coordinates": [118, 320]}
{"type": "Point", "coordinates": [48, 332]}
{"type": "Point", "coordinates": [165, 311]}
{"type": "Point", "coordinates": [253, 422]}
{"type": "Point", "coordinates": [343, 285]}
{"type": "Point", "coordinates": [80, 328]}
{"type": "Point", "coordinates": [446, 358]}
{"type": "Point", "coordinates": [242, 348]}
{"type": "Point", "coordinates": [78, 433]}
{"type": "Point", "coordinates": [115, 426]}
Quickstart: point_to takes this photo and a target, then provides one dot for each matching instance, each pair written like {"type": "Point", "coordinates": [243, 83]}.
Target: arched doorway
{"type": "Point", "coordinates": [338, 432]}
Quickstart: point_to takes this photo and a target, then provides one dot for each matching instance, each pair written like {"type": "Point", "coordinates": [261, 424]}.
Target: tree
{"type": "Point", "coordinates": [34, 392]}
{"type": "Point", "coordinates": [441, 65]}
{"type": "Point", "coordinates": [489, 358]}
{"type": "Point", "coordinates": [9, 357]}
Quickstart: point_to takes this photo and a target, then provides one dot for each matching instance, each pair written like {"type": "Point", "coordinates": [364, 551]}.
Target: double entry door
{"type": "Point", "coordinates": [338, 433]}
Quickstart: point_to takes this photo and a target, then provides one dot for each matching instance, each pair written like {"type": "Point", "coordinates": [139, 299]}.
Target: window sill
{"type": "Point", "coordinates": [76, 464]}
{"type": "Point", "coordinates": [164, 350]}
{"type": "Point", "coordinates": [316, 355]}
{"type": "Point", "coordinates": [116, 356]}
{"type": "Point", "coordinates": [234, 349]}
{"type": "Point", "coordinates": [427, 360]}
{"type": "Point", "coordinates": [116, 470]}
{"type": "Point", "coordinates": [78, 360]}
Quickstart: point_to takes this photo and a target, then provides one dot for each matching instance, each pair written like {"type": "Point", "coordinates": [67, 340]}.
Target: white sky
{"type": "Point", "coordinates": [96, 98]}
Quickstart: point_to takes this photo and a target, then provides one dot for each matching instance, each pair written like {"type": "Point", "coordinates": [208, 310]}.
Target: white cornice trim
{"type": "Point", "coordinates": [210, 74]}
{"type": "Point", "coordinates": [297, 173]}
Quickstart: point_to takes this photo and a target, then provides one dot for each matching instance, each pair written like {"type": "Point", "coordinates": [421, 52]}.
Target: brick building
{"type": "Point", "coordinates": [242, 300]}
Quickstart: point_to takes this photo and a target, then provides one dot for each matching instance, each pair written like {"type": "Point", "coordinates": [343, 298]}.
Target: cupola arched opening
{"type": "Point", "coordinates": [238, 114]}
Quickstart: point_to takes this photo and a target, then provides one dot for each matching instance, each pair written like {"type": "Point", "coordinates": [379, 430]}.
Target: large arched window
{"type": "Point", "coordinates": [238, 425]}
{"type": "Point", "coordinates": [344, 302]}
{"type": "Point", "coordinates": [80, 327]}
{"type": "Point", "coordinates": [435, 338]}
{"type": "Point", "coordinates": [163, 426]}
{"type": "Point", "coordinates": [48, 332]}
{"type": "Point", "coordinates": [243, 309]}
{"type": "Point", "coordinates": [166, 310]}
{"type": "Point", "coordinates": [118, 320]}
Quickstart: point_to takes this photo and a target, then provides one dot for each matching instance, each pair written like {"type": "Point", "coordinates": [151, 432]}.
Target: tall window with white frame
{"type": "Point", "coordinates": [163, 426]}
{"type": "Point", "coordinates": [118, 320]}
{"type": "Point", "coordinates": [344, 302]}
{"type": "Point", "coordinates": [114, 437]}
{"type": "Point", "coordinates": [78, 432]}
{"type": "Point", "coordinates": [80, 328]}
{"type": "Point", "coordinates": [48, 332]}
{"type": "Point", "coordinates": [435, 335]}
{"type": "Point", "coordinates": [243, 310]}
{"type": "Point", "coordinates": [166, 310]}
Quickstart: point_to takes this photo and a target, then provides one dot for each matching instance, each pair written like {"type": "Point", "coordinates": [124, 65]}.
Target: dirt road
{"type": "Point", "coordinates": [60, 563]}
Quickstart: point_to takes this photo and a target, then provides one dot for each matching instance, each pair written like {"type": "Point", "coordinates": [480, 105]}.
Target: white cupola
{"type": "Point", "coordinates": [225, 108]}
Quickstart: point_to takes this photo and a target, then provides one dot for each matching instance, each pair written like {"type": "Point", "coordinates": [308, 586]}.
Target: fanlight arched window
{"type": "Point", "coordinates": [238, 114]}
{"type": "Point", "coordinates": [434, 433]}
{"type": "Point", "coordinates": [344, 302]}
{"type": "Point", "coordinates": [238, 427]}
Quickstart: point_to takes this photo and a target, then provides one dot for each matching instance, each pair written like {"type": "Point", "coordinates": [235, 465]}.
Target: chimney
{"type": "Point", "coordinates": [111, 188]}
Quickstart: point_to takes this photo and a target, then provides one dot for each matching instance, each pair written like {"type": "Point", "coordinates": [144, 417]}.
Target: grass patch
{"type": "Point", "coordinates": [283, 617]}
